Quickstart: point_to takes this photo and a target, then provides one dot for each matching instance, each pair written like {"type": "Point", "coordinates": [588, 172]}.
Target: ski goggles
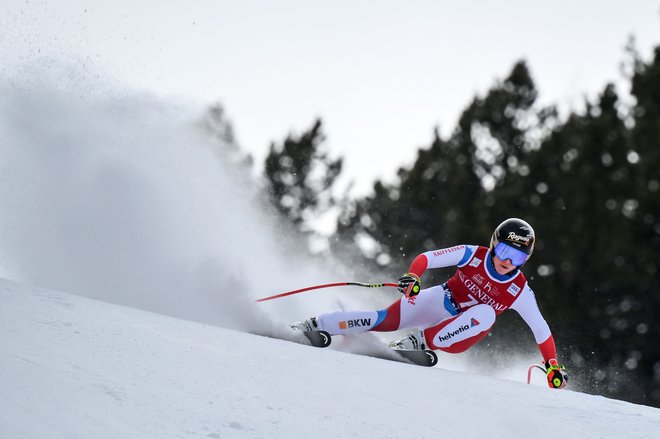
{"type": "Point", "coordinates": [517, 257]}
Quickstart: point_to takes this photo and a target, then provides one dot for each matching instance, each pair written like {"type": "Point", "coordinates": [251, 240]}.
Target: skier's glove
{"type": "Point", "coordinates": [557, 377]}
{"type": "Point", "coordinates": [409, 284]}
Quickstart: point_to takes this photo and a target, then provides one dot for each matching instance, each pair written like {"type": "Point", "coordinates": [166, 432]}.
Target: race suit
{"type": "Point", "coordinates": [458, 313]}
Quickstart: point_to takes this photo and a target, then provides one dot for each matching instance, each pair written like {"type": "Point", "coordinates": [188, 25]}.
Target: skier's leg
{"type": "Point", "coordinates": [425, 309]}
{"type": "Point", "coordinates": [348, 322]}
{"type": "Point", "coordinates": [460, 332]}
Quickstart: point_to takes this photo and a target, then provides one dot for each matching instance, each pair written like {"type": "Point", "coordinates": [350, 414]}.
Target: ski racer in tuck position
{"type": "Point", "coordinates": [455, 315]}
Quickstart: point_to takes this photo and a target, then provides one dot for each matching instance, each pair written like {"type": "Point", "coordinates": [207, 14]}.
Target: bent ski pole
{"type": "Point", "coordinates": [532, 367]}
{"type": "Point", "coordinates": [337, 284]}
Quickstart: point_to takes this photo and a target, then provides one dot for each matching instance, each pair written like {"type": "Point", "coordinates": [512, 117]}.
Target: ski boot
{"type": "Point", "coordinates": [415, 341]}
{"type": "Point", "coordinates": [308, 325]}
{"type": "Point", "coordinates": [311, 330]}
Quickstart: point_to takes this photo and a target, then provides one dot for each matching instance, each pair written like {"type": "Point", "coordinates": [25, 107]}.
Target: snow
{"type": "Point", "coordinates": [149, 247]}
{"type": "Point", "coordinates": [75, 367]}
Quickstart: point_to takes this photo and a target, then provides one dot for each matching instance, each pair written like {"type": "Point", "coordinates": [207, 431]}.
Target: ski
{"type": "Point", "coordinates": [424, 358]}
{"type": "Point", "coordinates": [319, 339]}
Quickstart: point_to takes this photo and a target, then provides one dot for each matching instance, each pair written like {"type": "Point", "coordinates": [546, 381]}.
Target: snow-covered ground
{"type": "Point", "coordinates": [73, 367]}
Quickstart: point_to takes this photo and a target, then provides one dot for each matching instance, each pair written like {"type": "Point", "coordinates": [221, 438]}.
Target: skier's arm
{"type": "Point", "coordinates": [444, 257]}
{"type": "Point", "coordinates": [528, 309]}
{"type": "Point", "coordinates": [410, 283]}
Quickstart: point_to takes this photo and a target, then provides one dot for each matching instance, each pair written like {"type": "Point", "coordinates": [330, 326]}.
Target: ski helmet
{"type": "Point", "coordinates": [515, 233]}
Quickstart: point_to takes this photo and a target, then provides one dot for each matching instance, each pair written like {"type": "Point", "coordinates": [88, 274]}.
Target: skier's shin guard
{"type": "Point", "coordinates": [459, 333]}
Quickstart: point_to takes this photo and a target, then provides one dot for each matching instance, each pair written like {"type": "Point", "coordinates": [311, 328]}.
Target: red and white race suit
{"type": "Point", "coordinates": [458, 313]}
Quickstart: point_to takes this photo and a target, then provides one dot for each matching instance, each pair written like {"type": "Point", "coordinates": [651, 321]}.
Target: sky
{"type": "Point", "coordinates": [381, 75]}
{"type": "Point", "coordinates": [124, 373]}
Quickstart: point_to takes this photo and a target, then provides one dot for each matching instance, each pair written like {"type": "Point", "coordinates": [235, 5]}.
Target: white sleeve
{"type": "Point", "coordinates": [449, 257]}
{"type": "Point", "coordinates": [528, 309]}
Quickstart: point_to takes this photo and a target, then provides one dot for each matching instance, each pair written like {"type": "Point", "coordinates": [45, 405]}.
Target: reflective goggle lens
{"type": "Point", "coordinates": [516, 256]}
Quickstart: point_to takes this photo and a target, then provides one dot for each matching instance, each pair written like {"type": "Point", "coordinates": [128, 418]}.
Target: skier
{"type": "Point", "coordinates": [457, 314]}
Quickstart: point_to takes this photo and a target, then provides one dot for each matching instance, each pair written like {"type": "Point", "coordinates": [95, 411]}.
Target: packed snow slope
{"type": "Point", "coordinates": [74, 367]}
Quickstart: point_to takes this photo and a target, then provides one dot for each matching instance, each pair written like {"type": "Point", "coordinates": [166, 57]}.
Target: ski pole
{"type": "Point", "coordinates": [337, 284]}
{"type": "Point", "coordinates": [532, 367]}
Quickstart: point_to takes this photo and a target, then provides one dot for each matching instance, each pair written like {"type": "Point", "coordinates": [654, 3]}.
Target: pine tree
{"type": "Point", "coordinates": [300, 176]}
{"type": "Point", "coordinates": [643, 211]}
{"type": "Point", "coordinates": [444, 198]}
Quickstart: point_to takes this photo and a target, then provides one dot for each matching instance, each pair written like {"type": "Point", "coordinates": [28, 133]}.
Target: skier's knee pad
{"type": "Point", "coordinates": [462, 331]}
